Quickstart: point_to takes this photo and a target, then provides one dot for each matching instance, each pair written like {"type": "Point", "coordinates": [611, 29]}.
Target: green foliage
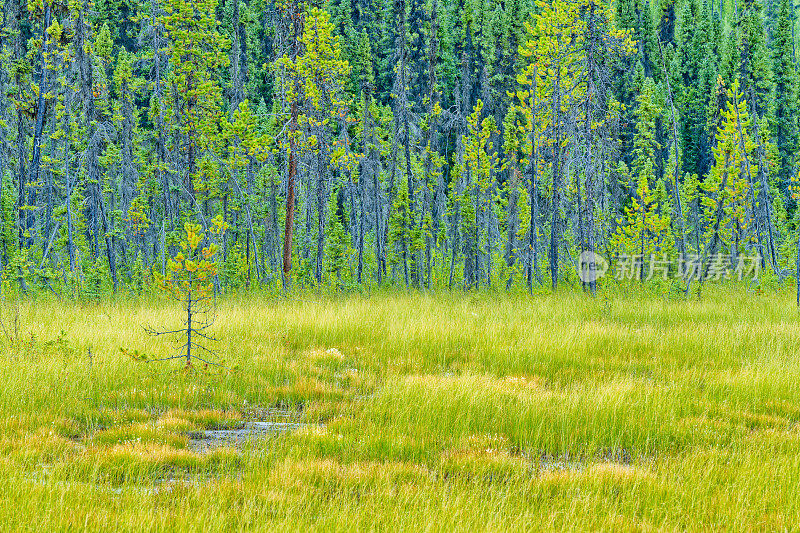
{"type": "Point", "coordinates": [139, 276]}
{"type": "Point", "coordinates": [96, 277]}
{"type": "Point", "coordinates": [728, 197]}
{"type": "Point", "coordinates": [168, 111]}
{"type": "Point", "coordinates": [785, 92]}
{"type": "Point", "coordinates": [644, 230]}
{"type": "Point", "coordinates": [233, 272]}
{"type": "Point", "coordinates": [193, 269]}
{"type": "Point", "coordinates": [403, 236]}
{"type": "Point", "coordinates": [190, 280]}
{"type": "Point", "coordinates": [337, 246]}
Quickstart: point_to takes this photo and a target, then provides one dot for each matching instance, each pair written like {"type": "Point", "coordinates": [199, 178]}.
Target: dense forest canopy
{"type": "Point", "coordinates": [410, 142]}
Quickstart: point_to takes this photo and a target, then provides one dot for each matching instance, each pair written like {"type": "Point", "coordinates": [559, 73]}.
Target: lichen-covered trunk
{"type": "Point", "coordinates": [533, 230]}
{"type": "Point", "coordinates": [555, 227]}
{"type": "Point", "coordinates": [39, 125]}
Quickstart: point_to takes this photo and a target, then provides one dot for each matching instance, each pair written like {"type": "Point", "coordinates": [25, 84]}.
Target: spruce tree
{"type": "Point", "coordinates": [196, 55]}
{"type": "Point", "coordinates": [338, 242]}
{"type": "Point", "coordinates": [728, 199]}
{"type": "Point", "coordinates": [785, 93]}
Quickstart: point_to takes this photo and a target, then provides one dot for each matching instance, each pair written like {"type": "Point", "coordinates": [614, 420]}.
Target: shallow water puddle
{"type": "Point", "coordinates": [617, 461]}
{"type": "Point", "coordinates": [201, 441]}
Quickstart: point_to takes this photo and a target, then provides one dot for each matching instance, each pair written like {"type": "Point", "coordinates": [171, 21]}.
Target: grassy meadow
{"type": "Point", "coordinates": [445, 412]}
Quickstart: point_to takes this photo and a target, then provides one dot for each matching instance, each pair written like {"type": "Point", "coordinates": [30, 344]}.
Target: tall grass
{"type": "Point", "coordinates": [442, 411]}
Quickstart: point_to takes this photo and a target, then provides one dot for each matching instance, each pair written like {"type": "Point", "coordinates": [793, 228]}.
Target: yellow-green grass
{"type": "Point", "coordinates": [436, 411]}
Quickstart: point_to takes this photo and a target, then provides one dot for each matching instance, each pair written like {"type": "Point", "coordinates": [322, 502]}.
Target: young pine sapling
{"type": "Point", "coordinates": [190, 280]}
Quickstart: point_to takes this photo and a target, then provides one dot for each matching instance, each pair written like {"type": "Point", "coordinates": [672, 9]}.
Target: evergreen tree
{"type": "Point", "coordinates": [401, 238]}
{"type": "Point", "coordinates": [552, 49]}
{"type": "Point", "coordinates": [338, 243]}
{"type": "Point", "coordinates": [785, 97]}
{"type": "Point", "coordinates": [754, 69]}
{"type": "Point", "coordinates": [727, 202]}
{"type": "Point", "coordinates": [697, 76]}
{"type": "Point", "coordinates": [480, 160]}
{"type": "Point", "coordinates": [196, 55]}
{"type": "Point", "coordinates": [119, 122]}
{"type": "Point", "coordinates": [644, 228]}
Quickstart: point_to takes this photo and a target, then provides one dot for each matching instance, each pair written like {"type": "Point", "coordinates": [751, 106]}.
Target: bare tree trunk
{"type": "Point", "coordinates": [22, 213]}
{"type": "Point", "coordinates": [797, 271]}
{"type": "Point", "coordinates": [402, 124]}
{"type": "Point", "coordinates": [110, 247]}
{"type": "Point", "coordinates": [714, 242]}
{"type": "Point", "coordinates": [287, 234]}
{"type": "Point", "coordinates": [274, 230]}
{"type": "Point", "coordinates": [161, 171]}
{"type": "Point", "coordinates": [322, 204]}
{"type": "Point", "coordinates": [462, 103]}
{"type": "Point", "coordinates": [581, 215]}
{"type": "Point", "coordinates": [675, 177]}
{"type": "Point", "coordinates": [189, 320]}
{"type": "Point", "coordinates": [379, 230]}
{"type": "Point", "coordinates": [432, 145]}
{"type": "Point", "coordinates": [366, 168]}
{"type": "Point", "coordinates": [362, 204]}
{"type": "Point", "coordinates": [751, 188]}
{"type": "Point", "coordinates": [512, 224]}
{"type": "Point", "coordinates": [19, 52]}
{"type": "Point", "coordinates": [68, 182]}
{"type": "Point", "coordinates": [555, 227]}
{"type": "Point", "coordinates": [592, 97]}
{"type": "Point", "coordinates": [40, 111]}
{"type": "Point", "coordinates": [533, 235]}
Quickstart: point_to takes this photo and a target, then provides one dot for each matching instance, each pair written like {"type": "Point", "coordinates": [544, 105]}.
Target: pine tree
{"type": "Point", "coordinates": [517, 147]}
{"type": "Point", "coordinates": [324, 72]}
{"type": "Point", "coordinates": [727, 202]}
{"type": "Point", "coordinates": [697, 75]}
{"type": "Point", "coordinates": [191, 282]}
{"type": "Point", "coordinates": [645, 145]}
{"type": "Point", "coordinates": [401, 237]}
{"type": "Point", "coordinates": [480, 160]}
{"type": "Point", "coordinates": [196, 55]}
{"type": "Point", "coordinates": [754, 69]}
{"type": "Point", "coordinates": [120, 122]}
{"type": "Point", "coordinates": [601, 46]}
{"type": "Point", "coordinates": [314, 76]}
{"type": "Point", "coordinates": [402, 92]}
{"type": "Point", "coordinates": [644, 228]}
{"type": "Point", "coordinates": [785, 96]}
{"type": "Point", "coordinates": [552, 49]}
{"type": "Point", "coordinates": [756, 85]}
{"type": "Point", "coordinates": [338, 243]}
{"type": "Point", "coordinates": [126, 117]}
{"type": "Point", "coordinates": [666, 29]}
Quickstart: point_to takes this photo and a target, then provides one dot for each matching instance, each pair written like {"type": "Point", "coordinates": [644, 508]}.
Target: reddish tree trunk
{"type": "Point", "coordinates": [287, 236]}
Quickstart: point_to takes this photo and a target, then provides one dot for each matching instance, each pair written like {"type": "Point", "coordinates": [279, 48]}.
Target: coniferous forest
{"type": "Point", "coordinates": [420, 143]}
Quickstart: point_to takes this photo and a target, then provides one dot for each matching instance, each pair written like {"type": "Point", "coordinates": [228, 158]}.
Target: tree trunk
{"type": "Point", "coordinates": [40, 111]}
{"type": "Point", "coordinates": [297, 32]}
{"type": "Point", "coordinates": [533, 234]}
{"type": "Point", "coordinates": [555, 227]}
